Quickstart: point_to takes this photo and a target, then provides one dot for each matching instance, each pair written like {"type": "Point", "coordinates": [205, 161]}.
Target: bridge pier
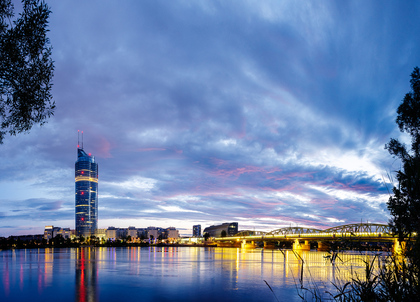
{"type": "Point", "coordinates": [269, 245]}
{"type": "Point", "coordinates": [227, 244]}
{"type": "Point", "coordinates": [248, 245]}
{"type": "Point", "coordinates": [323, 246]}
{"type": "Point", "coordinates": [297, 246]}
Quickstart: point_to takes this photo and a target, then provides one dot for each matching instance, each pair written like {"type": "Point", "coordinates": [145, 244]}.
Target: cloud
{"type": "Point", "coordinates": [269, 113]}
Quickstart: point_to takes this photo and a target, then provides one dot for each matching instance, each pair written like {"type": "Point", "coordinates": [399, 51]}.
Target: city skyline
{"type": "Point", "coordinates": [269, 114]}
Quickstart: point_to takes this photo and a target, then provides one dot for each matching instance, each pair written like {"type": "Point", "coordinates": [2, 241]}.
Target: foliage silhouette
{"type": "Point", "coordinates": [26, 68]}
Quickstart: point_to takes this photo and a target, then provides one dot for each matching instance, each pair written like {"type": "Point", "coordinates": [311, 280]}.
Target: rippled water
{"type": "Point", "coordinates": [169, 274]}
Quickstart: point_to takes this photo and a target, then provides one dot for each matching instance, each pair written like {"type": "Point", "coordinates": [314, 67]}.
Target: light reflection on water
{"type": "Point", "coordinates": [169, 274]}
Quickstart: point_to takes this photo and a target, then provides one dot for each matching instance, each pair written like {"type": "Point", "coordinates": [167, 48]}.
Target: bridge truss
{"type": "Point", "coordinates": [294, 231]}
{"type": "Point", "coordinates": [360, 228]}
{"type": "Point", "coordinates": [356, 231]}
{"type": "Point", "coordinates": [355, 228]}
{"type": "Point", "coordinates": [250, 233]}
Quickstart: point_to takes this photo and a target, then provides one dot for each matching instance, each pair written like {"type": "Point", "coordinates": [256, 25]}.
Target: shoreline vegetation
{"type": "Point", "coordinates": [14, 242]}
{"type": "Point", "coordinates": [9, 245]}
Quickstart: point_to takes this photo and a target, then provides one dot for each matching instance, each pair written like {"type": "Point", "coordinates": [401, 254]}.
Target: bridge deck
{"type": "Point", "coordinates": [313, 237]}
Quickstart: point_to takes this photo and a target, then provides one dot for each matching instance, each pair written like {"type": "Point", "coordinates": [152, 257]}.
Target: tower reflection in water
{"type": "Point", "coordinates": [86, 275]}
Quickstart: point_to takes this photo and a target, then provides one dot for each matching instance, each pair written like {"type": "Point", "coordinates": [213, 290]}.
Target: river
{"type": "Point", "coordinates": [171, 274]}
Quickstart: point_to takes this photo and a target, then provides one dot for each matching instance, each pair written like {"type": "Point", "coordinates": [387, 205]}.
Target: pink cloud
{"type": "Point", "coordinates": [353, 188]}
{"type": "Point", "coordinates": [291, 175]}
{"type": "Point", "coordinates": [104, 148]}
{"type": "Point", "coordinates": [151, 149]}
{"type": "Point", "coordinates": [226, 170]}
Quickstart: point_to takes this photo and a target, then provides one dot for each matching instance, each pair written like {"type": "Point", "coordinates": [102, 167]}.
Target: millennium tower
{"type": "Point", "coordinates": [86, 176]}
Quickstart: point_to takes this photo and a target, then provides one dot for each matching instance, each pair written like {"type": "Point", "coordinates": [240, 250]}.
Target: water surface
{"type": "Point", "coordinates": [169, 274]}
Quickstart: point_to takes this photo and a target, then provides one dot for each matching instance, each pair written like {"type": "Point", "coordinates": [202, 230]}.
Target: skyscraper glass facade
{"type": "Point", "coordinates": [86, 174]}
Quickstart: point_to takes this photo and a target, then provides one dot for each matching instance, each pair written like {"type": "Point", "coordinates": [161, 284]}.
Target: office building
{"type": "Point", "coordinates": [86, 174]}
{"type": "Point", "coordinates": [222, 230]}
{"type": "Point", "coordinates": [197, 230]}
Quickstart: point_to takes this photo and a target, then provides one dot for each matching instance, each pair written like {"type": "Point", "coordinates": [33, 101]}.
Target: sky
{"type": "Point", "coordinates": [266, 113]}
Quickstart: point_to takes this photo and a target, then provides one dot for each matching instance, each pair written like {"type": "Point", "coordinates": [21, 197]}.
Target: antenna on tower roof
{"type": "Point", "coordinates": [78, 140]}
{"type": "Point", "coordinates": [82, 139]}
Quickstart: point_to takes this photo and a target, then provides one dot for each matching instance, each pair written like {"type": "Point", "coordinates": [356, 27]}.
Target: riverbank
{"type": "Point", "coordinates": [37, 245]}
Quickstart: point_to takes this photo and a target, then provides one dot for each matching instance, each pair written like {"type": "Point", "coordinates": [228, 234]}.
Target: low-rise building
{"type": "Point", "coordinates": [101, 233]}
{"type": "Point", "coordinates": [121, 233]}
{"type": "Point", "coordinates": [171, 233]}
{"type": "Point", "coordinates": [137, 234]}
{"type": "Point", "coordinates": [132, 232]}
{"type": "Point", "coordinates": [153, 231]}
{"type": "Point", "coordinates": [111, 233]}
{"type": "Point", "coordinates": [141, 233]}
{"type": "Point", "coordinates": [26, 238]}
{"type": "Point", "coordinates": [51, 231]}
{"type": "Point", "coordinates": [223, 230]}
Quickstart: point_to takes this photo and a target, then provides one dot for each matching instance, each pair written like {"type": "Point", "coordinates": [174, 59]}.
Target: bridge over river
{"type": "Point", "coordinates": [302, 237]}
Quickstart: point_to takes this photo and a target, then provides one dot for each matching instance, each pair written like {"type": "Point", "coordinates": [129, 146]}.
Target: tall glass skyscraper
{"type": "Point", "coordinates": [86, 173]}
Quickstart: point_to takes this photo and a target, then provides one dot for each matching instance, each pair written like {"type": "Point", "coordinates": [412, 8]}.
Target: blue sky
{"type": "Point", "coordinates": [268, 113]}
